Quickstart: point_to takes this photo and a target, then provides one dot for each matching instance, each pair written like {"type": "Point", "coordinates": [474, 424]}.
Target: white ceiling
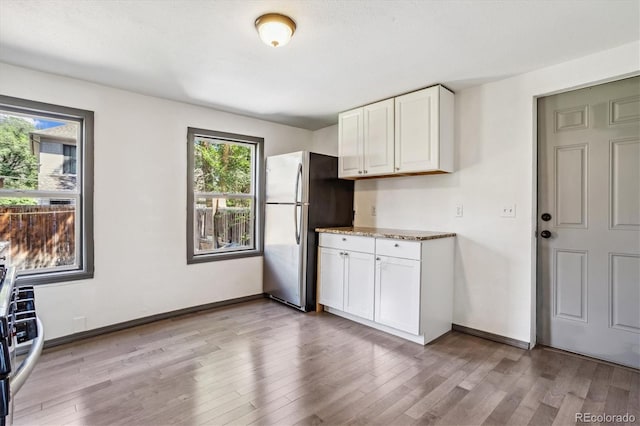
{"type": "Point", "coordinates": [345, 53]}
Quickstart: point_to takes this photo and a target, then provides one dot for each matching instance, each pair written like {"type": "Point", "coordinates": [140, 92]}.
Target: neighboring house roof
{"type": "Point", "coordinates": [65, 132]}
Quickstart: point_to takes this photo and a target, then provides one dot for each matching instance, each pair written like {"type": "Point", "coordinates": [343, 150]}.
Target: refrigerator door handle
{"type": "Point", "coordinates": [298, 180]}
{"type": "Point", "coordinates": [295, 223]}
{"type": "Point", "coordinates": [297, 204]}
{"type": "Point", "coordinates": [299, 224]}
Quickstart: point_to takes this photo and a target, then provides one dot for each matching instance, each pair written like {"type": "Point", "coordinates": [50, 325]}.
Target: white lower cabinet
{"type": "Point", "coordinates": [358, 284]}
{"type": "Point", "coordinates": [397, 293]}
{"type": "Point", "coordinates": [346, 281]}
{"type": "Point", "coordinates": [331, 278]}
{"type": "Point", "coordinates": [398, 286]}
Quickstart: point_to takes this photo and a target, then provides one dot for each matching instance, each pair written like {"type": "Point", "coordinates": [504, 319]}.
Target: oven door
{"type": "Point", "coordinates": [20, 373]}
{"type": "Point", "coordinates": [28, 364]}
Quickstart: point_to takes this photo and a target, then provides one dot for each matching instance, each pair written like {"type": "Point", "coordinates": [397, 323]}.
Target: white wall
{"type": "Point", "coordinates": [495, 158]}
{"type": "Point", "coordinates": [325, 141]}
{"type": "Point", "coordinates": [140, 210]}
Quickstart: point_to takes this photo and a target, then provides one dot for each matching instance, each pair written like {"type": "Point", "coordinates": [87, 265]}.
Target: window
{"type": "Point", "coordinates": [69, 165]}
{"type": "Point", "coordinates": [46, 190]}
{"type": "Point", "coordinates": [224, 187]}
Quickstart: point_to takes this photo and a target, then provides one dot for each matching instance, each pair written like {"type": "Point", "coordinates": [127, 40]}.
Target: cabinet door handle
{"type": "Point", "coordinates": [396, 245]}
{"type": "Point", "coordinates": [344, 239]}
{"type": "Point", "coordinates": [359, 172]}
{"type": "Point", "coordinates": [397, 168]}
{"type": "Point", "coordinates": [365, 172]}
{"type": "Point", "coordinates": [377, 258]}
{"type": "Point", "coordinates": [346, 254]}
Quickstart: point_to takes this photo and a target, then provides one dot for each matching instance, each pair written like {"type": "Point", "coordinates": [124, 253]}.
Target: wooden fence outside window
{"type": "Point", "coordinates": [228, 227]}
{"type": "Point", "coordinates": [37, 237]}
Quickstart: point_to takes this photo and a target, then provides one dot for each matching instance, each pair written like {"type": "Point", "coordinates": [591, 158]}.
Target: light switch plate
{"type": "Point", "coordinates": [459, 210]}
{"type": "Point", "coordinates": [373, 210]}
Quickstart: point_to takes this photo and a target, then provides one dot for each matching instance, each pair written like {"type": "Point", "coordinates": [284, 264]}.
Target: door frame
{"type": "Point", "coordinates": [535, 282]}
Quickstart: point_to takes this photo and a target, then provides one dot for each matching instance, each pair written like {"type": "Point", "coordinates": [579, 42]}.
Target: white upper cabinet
{"type": "Point", "coordinates": [366, 140]}
{"type": "Point", "coordinates": [378, 138]}
{"type": "Point", "coordinates": [408, 134]}
{"type": "Point", "coordinates": [350, 143]}
{"type": "Point", "coordinates": [424, 131]}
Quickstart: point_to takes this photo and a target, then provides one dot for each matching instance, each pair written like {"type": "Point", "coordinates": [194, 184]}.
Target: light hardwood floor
{"type": "Point", "coordinates": [264, 363]}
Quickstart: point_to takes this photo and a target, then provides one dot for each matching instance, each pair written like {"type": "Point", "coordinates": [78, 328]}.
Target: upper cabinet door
{"type": "Point", "coordinates": [378, 138]}
{"type": "Point", "coordinates": [406, 135]}
{"type": "Point", "coordinates": [417, 131]}
{"type": "Point", "coordinates": [350, 143]}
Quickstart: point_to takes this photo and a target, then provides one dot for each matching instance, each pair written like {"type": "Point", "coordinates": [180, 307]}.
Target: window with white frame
{"type": "Point", "coordinates": [224, 194]}
{"type": "Point", "coordinates": [46, 190]}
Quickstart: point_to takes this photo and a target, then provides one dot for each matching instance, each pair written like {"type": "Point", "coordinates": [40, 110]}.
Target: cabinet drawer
{"type": "Point", "coordinates": [347, 242]}
{"type": "Point", "coordinates": [398, 248]}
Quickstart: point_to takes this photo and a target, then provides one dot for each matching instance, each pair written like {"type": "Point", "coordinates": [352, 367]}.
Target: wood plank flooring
{"type": "Point", "coordinates": [263, 363]}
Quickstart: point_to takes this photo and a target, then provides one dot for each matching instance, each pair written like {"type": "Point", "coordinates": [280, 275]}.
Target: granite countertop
{"type": "Point", "coordinates": [398, 234]}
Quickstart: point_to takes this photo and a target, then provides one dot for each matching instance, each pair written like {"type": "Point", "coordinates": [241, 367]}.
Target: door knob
{"type": "Point", "coordinates": [546, 217]}
{"type": "Point", "coordinates": [545, 234]}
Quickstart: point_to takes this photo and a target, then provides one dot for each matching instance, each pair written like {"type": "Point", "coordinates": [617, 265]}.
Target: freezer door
{"type": "Point", "coordinates": [284, 252]}
{"type": "Point", "coordinates": [285, 178]}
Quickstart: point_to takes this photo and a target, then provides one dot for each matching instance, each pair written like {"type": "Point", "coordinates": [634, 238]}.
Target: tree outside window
{"type": "Point", "coordinates": [224, 196]}
{"type": "Point", "coordinates": [45, 205]}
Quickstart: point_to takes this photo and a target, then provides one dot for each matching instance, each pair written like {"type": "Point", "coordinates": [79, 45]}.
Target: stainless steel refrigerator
{"type": "Point", "coordinates": [303, 192]}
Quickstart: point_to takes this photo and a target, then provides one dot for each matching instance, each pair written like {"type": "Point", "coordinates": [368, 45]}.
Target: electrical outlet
{"type": "Point", "coordinates": [508, 210]}
{"type": "Point", "coordinates": [373, 210]}
{"type": "Point", "coordinates": [459, 210]}
{"type": "Point", "coordinates": [79, 324]}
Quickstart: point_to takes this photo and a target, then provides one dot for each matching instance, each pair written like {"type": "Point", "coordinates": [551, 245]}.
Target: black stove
{"type": "Point", "coordinates": [20, 329]}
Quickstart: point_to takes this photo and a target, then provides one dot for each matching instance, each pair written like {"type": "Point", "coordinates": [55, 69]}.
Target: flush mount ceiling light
{"type": "Point", "coordinates": [275, 30]}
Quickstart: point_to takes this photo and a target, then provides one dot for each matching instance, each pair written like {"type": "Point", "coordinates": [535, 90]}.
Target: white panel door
{"type": "Point", "coordinates": [378, 138]}
{"type": "Point", "coordinates": [359, 284]}
{"type": "Point", "coordinates": [589, 221]}
{"type": "Point", "coordinates": [417, 131]}
{"type": "Point", "coordinates": [350, 143]}
{"type": "Point", "coordinates": [331, 277]}
{"type": "Point", "coordinates": [397, 295]}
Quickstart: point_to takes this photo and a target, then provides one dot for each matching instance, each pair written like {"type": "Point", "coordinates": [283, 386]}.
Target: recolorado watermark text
{"type": "Point", "coordinates": [605, 418]}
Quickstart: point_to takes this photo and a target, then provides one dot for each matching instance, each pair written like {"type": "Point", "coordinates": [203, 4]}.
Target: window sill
{"type": "Point", "coordinates": [52, 277]}
{"type": "Point", "coordinates": [214, 257]}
